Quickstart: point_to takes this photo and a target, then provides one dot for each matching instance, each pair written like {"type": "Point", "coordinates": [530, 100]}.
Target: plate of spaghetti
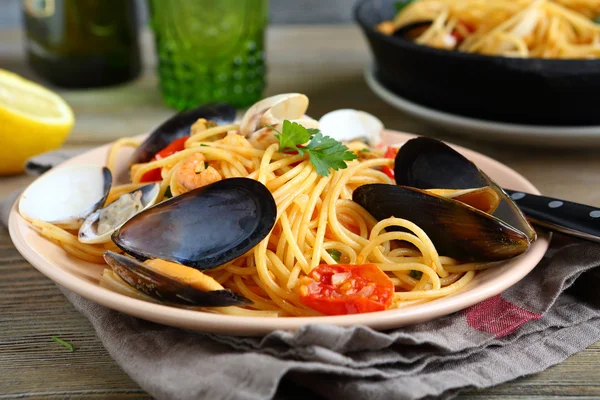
{"type": "Point", "coordinates": [278, 221]}
{"type": "Point", "coordinates": [529, 62]}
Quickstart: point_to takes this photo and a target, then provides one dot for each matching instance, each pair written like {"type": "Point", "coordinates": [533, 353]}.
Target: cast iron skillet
{"type": "Point", "coordinates": [524, 91]}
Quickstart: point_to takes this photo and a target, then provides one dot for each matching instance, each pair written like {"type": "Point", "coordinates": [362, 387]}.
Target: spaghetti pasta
{"type": "Point", "coordinates": [512, 28]}
{"type": "Point", "coordinates": [315, 215]}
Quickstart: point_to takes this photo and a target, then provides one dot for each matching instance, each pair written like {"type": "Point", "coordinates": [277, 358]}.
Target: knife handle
{"type": "Point", "coordinates": [563, 216]}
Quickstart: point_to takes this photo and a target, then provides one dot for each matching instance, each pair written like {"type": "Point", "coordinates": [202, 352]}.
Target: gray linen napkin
{"type": "Point", "coordinates": [551, 314]}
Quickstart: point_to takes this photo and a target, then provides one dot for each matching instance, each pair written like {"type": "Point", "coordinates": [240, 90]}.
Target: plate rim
{"type": "Point", "coordinates": [510, 131]}
{"type": "Point", "coordinates": [256, 326]}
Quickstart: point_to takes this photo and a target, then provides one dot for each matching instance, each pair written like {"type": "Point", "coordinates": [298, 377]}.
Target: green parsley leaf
{"type": "Point", "coordinates": [415, 274]}
{"type": "Point", "coordinates": [399, 5]}
{"type": "Point", "coordinates": [66, 344]}
{"type": "Point", "coordinates": [204, 145]}
{"type": "Point", "coordinates": [168, 193]}
{"type": "Point", "coordinates": [292, 134]}
{"type": "Point", "coordinates": [597, 19]}
{"type": "Point", "coordinates": [325, 152]}
{"type": "Point", "coordinates": [365, 150]}
{"type": "Point", "coordinates": [335, 254]}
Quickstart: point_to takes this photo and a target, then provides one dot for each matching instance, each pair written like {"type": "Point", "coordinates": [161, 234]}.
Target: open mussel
{"type": "Point", "coordinates": [204, 228]}
{"type": "Point", "coordinates": [101, 224]}
{"type": "Point", "coordinates": [179, 126]}
{"type": "Point", "coordinates": [426, 163]}
{"type": "Point", "coordinates": [66, 195]}
{"type": "Point", "coordinates": [455, 228]}
{"type": "Point", "coordinates": [485, 199]}
{"type": "Point", "coordinates": [173, 283]}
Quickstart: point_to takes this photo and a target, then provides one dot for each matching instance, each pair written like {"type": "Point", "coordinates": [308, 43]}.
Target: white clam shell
{"type": "Point", "coordinates": [66, 194]}
{"type": "Point", "coordinates": [272, 111]}
{"type": "Point", "coordinates": [88, 233]}
{"type": "Point", "coordinates": [346, 124]}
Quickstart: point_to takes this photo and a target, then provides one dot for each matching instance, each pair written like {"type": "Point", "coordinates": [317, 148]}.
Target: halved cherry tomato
{"type": "Point", "coordinates": [174, 147]}
{"type": "Point", "coordinates": [347, 289]}
{"type": "Point", "coordinates": [390, 153]}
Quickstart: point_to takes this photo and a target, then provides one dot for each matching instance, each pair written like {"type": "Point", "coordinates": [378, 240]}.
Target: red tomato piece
{"type": "Point", "coordinates": [174, 147]}
{"type": "Point", "coordinates": [388, 171]}
{"type": "Point", "coordinates": [347, 289]}
{"type": "Point", "coordinates": [390, 153]}
{"type": "Point", "coordinates": [152, 175]}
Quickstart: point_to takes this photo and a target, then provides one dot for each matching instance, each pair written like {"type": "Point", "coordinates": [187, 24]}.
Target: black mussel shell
{"type": "Point", "coordinates": [412, 31]}
{"type": "Point", "coordinates": [427, 163]}
{"type": "Point", "coordinates": [165, 288]}
{"type": "Point", "coordinates": [204, 228]}
{"type": "Point", "coordinates": [179, 126]}
{"type": "Point", "coordinates": [456, 229]}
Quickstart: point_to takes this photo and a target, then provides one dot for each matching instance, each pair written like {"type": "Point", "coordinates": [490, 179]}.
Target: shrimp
{"type": "Point", "coordinates": [195, 173]}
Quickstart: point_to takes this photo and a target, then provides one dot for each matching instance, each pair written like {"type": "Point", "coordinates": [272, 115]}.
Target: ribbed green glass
{"type": "Point", "coordinates": [210, 50]}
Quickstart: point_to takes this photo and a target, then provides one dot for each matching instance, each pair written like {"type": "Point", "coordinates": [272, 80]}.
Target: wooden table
{"type": "Point", "coordinates": [324, 62]}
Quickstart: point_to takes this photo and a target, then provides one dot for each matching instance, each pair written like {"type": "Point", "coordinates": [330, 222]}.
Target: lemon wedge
{"type": "Point", "coordinates": [33, 120]}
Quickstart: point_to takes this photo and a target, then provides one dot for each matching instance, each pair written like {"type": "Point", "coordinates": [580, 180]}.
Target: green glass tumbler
{"type": "Point", "coordinates": [210, 50]}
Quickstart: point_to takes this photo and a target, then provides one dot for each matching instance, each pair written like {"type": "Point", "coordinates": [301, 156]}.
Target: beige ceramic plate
{"type": "Point", "coordinates": [82, 277]}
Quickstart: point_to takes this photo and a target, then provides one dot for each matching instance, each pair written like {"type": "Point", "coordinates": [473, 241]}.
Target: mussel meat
{"type": "Point", "coordinates": [173, 283]}
{"type": "Point", "coordinates": [346, 125]}
{"type": "Point", "coordinates": [100, 225]}
{"type": "Point", "coordinates": [455, 228]}
{"type": "Point", "coordinates": [66, 195]}
{"type": "Point", "coordinates": [427, 163]}
{"type": "Point", "coordinates": [179, 126]}
{"type": "Point", "coordinates": [204, 228]}
{"type": "Point", "coordinates": [484, 199]}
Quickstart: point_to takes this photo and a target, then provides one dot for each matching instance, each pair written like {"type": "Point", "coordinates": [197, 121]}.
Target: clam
{"type": "Point", "coordinates": [66, 195]}
{"type": "Point", "coordinates": [271, 112]}
{"type": "Point", "coordinates": [426, 163]}
{"type": "Point", "coordinates": [455, 228]}
{"type": "Point", "coordinates": [172, 283]}
{"type": "Point", "coordinates": [100, 225]}
{"type": "Point", "coordinates": [346, 125]}
{"type": "Point", "coordinates": [179, 126]}
{"type": "Point", "coordinates": [204, 228]}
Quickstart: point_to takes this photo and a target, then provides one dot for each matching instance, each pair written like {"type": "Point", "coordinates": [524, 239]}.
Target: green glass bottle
{"type": "Point", "coordinates": [210, 50]}
{"type": "Point", "coordinates": [82, 43]}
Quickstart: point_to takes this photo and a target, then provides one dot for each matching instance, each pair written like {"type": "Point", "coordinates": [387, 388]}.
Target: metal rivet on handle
{"type": "Point", "coordinates": [595, 214]}
{"type": "Point", "coordinates": [555, 204]}
{"type": "Point", "coordinates": [517, 196]}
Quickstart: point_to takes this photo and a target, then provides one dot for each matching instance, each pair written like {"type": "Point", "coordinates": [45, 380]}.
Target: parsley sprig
{"type": "Point", "coordinates": [335, 254]}
{"type": "Point", "coordinates": [325, 152]}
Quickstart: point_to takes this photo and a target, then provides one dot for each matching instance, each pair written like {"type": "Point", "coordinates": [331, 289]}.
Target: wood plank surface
{"type": "Point", "coordinates": [32, 309]}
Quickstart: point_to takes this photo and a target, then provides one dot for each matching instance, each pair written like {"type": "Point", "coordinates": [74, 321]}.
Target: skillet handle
{"type": "Point", "coordinates": [563, 216]}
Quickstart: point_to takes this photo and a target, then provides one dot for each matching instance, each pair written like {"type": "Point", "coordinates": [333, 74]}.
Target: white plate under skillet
{"type": "Point", "coordinates": [82, 277]}
{"type": "Point", "coordinates": [533, 135]}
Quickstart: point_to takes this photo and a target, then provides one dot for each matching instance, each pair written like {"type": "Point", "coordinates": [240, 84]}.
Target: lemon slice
{"type": "Point", "coordinates": [33, 120]}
